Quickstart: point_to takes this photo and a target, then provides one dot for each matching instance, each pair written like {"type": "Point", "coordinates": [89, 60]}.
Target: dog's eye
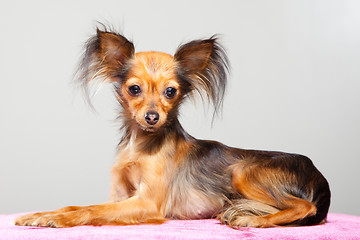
{"type": "Point", "coordinates": [170, 92]}
{"type": "Point", "coordinates": [134, 90]}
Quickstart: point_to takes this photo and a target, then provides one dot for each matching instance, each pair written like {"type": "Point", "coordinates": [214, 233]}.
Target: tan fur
{"type": "Point", "coordinates": [154, 71]}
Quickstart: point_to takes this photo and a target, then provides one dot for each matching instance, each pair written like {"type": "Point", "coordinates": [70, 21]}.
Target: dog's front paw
{"type": "Point", "coordinates": [54, 220]}
{"type": "Point", "coordinates": [57, 220]}
{"type": "Point", "coordinates": [28, 219]}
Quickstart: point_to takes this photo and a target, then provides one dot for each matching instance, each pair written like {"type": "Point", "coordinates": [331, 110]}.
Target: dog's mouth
{"type": "Point", "coordinates": [147, 125]}
{"type": "Point", "coordinates": [150, 129]}
{"type": "Point", "coordinates": [147, 128]}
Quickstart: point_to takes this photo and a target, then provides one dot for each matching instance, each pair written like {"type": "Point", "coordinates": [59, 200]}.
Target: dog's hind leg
{"type": "Point", "coordinates": [267, 202]}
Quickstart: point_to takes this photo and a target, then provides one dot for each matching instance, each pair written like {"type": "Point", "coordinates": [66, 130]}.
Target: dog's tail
{"type": "Point", "coordinates": [233, 214]}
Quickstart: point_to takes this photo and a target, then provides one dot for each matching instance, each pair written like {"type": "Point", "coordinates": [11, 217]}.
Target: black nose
{"type": "Point", "coordinates": [151, 117]}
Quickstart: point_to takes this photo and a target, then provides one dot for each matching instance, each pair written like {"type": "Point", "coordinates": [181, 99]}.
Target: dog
{"type": "Point", "coordinates": [162, 172]}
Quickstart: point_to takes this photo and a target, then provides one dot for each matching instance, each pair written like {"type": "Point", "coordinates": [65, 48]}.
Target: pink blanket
{"type": "Point", "coordinates": [339, 226]}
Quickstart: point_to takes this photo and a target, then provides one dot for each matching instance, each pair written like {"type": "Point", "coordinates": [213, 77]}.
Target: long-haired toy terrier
{"type": "Point", "coordinates": [161, 172]}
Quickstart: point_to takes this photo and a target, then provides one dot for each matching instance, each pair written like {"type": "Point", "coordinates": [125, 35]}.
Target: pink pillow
{"type": "Point", "coordinates": [339, 226]}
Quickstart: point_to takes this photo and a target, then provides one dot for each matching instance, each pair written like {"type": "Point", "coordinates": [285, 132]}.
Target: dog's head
{"type": "Point", "coordinates": [150, 86]}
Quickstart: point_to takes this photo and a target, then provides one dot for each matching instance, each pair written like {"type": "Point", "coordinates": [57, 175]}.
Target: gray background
{"type": "Point", "coordinates": [295, 87]}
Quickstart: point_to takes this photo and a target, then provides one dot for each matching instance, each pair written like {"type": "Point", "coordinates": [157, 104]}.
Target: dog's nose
{"type": "Point", "coordinates": [151, 117]}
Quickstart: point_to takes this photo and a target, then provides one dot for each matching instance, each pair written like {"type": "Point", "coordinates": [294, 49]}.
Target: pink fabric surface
{"type": "Point", "coordinates": [339, 226]}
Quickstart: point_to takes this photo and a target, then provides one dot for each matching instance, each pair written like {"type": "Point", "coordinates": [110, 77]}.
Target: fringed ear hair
{"type": "Point", "coordinates": [203, 65]}
{"type": "Point", "coordinates": [106, 59]}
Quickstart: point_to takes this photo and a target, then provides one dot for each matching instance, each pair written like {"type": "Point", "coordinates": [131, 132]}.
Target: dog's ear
{"type": "Point", "coordinates": [194, 56]}
{"type": "Point", "coordinates": [106, 57]}
{"type": "Point", "coordinates": [114, 49]}
{"type": "Point", "coordinates": [204, 66]}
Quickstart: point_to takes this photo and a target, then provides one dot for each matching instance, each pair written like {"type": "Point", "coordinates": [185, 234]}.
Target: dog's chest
{"type": "Point", "coordinates": [190, 197]}
{"type": "Point", "coordinates": [173, 185]}
{"type": "Point", "coordinates": [192, 204]}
